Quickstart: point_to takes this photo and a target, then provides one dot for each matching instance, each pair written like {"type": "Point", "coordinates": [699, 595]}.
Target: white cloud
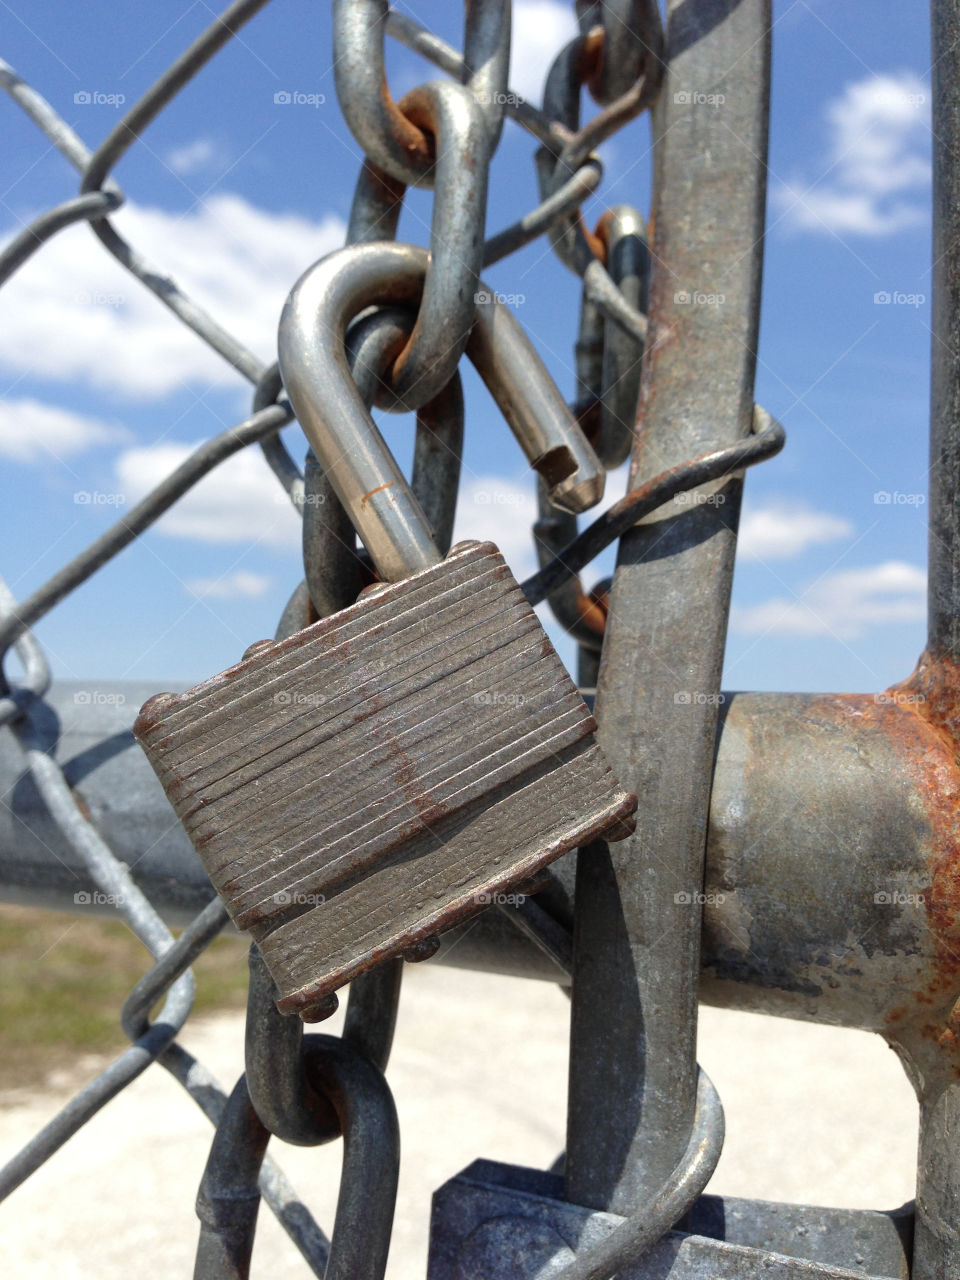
{"type": "Point", "coordinates": [843, 604]}
{"type": "Point", "coordinates": [879, 167]}
{"type": "Point", "coordinates": [241, 585]}
{"type": "Point", "coordinates": [73, 315]}
{"type": "Point", "coordinates": [32, 432]}
{"type": "Point", "coordinates": [493, 508]}
{"type": "Point", "coordinates": [779, 531]}
{"type": "Point", "coordinates": [192, 156]}
{"type": "Point", "coordinates": [872, 124]}
{"type": "Point", "coordinates": [240, 501]}
{"type": "Point", "coordinates": [540, 30]}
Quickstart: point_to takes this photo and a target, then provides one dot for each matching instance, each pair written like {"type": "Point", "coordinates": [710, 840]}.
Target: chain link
{"type": "Point", "coordinates": [442, 136]}
{"type": "Point", "coordinates": [632, 44]}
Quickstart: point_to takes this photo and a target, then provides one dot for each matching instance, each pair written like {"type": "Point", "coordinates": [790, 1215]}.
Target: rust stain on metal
{"type": "Point", "coordinates": [152, 711]}
{"type": "Point", "coordinates": [907, 732]}
{"type": "Point", "coordinates": [407, 771]}
{"type": "Point", "coordinates": [923, 718]}
{"type": "Point", "coordinates": [379, 489]}
{"type": "Point", "coordinates": [82, 806]}
{"type": "Point", "coordinates": [590, 61]}
{"type": "Point", "coordinates": [596, 245]}
{"type": "Point", "coordinates": [933, 691]}
{"type": "Point", "coordinates": [420, 146]}
{"type": "Point", "coordinates": [593, 608]}
{"type": "Point", "coordinates": [602, 230]}
{"type": "Point", "coordinates": [415, 125]}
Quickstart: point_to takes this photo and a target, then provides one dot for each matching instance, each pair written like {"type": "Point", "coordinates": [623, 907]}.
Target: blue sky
{"type": "Point", "coordinates": [235, 194]}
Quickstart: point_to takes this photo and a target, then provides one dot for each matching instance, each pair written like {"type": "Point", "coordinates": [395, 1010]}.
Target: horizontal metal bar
{"type": "Point", "coordinates": [828, 892]}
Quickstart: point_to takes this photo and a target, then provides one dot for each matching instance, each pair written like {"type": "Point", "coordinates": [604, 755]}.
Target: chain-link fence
{"type": "Point", "coordinates": [645, 1127]}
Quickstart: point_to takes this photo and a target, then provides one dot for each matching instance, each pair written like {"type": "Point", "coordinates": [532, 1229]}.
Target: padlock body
{"type": "Point", "coordinates": [381, 775]}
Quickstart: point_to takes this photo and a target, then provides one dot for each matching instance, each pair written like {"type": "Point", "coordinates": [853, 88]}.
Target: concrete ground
{"type": "Point", "coordinates": [814, 1114]}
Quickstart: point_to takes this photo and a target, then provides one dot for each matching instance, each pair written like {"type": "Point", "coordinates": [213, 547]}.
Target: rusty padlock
{"type": "Point", "coordinates": [369, 781]}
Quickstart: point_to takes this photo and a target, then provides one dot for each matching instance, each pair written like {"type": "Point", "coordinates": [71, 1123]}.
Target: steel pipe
{"type": "Point", "coordinates": [820, 803]}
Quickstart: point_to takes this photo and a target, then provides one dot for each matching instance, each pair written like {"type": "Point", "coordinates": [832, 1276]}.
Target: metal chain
{"type": "Point", "coordinates": [440, 135]}
{"type": "Point", "coordinates": [232, 1183]}
{"type": "Point", "coordinates": [632, 44]}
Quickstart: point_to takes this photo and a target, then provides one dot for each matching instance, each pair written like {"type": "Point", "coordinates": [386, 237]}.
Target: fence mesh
{"type": "Point", "coordinates": [613, 308]}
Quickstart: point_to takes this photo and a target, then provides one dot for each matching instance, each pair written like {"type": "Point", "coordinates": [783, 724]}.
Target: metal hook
{"type": "Point", "coordinates": [332, 413]}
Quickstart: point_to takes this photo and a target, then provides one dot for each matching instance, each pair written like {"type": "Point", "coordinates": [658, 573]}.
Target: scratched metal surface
{"type": "Point", "coordinates": [373, 779]}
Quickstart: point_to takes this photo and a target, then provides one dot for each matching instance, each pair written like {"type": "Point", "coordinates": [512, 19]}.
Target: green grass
{"type": "Point", "coordinates": [63, 981]}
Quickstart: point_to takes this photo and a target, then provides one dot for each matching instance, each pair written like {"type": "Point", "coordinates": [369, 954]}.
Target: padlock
{"type": "Point", "coordinates": [383, 774]}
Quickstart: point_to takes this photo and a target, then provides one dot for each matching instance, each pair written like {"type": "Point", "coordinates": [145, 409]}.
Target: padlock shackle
{"type": "Point", "coordinates": [529, 399]}
{"type": "Point", "coordinates": [346, 440]}
{"type": "Point", "coordinates": [331, 411]}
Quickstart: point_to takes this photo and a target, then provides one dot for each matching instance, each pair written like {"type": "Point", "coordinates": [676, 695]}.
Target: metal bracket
{"type": "Point", "coordinates": [496, 1221]}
